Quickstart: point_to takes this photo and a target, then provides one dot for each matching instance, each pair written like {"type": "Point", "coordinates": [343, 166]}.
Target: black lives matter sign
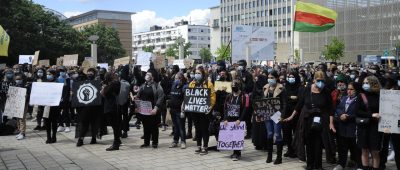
{"type": "Point", "coordinates": [86, 93]}
{"type": "Point", "coordinates": [266, 107]}
{"type": "Point", "coordinates": [197, 100]}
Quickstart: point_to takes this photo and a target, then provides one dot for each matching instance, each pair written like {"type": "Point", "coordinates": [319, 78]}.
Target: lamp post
{"type": "Point", "coordinates": [93, 49]}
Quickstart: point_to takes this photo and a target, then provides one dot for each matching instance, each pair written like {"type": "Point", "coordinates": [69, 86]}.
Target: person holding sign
{"type": "Point", "coordinates": [202, 120]}
{"type": "Point", "coordinates": [152, 92]}
{"type": "Point", "coordinates": [54, 113]}
{"type": "Point", "coordinates": [39, 77]}
{"type": "Point", "coordinates": [21, 122]}
{"type": "Point", "coordinates": [5, 84]}
{"type": "Point", "coordinates": [236, 105]}
{"type": "Point", "coordinates": [274, 128]}
{"type": "Point", "coordinates": [367, 119]}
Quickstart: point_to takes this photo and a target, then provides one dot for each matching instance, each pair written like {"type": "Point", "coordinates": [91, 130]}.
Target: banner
{"type": "Point", "coordinates": [197, 100]}
{"type": "Point", "coordinates": [220, 85]}
{"type": "Point", "coordinates": [389, 110]}
{"type": "Point", "coordinates": [46, 94]}
{"type": "Point", "coordinates": [86, 93]}
{"type": "Point", "coordinates": [60, 61]}
{"type": "Point", "coordinates": [143, 59]}
{"type": "Point", "coordinates": [4, 42]}
{"type": "Point", "coordinates": [143, 107]}
{"type": "Point", "coordinates": [26, 59]}
{"type": "Point", "coordinates": [258, 42]}
{"type": "Point", "coordinates": [70, 60]}
{"type": "Point", "coordinates": [36, 58]}
{"type": "Point", "coordinates": [15, 104]}
{"type": "Point", "coordinates": [267, 107]}
{"type": "Point", "coordinates": [231, 136]}
{"type": "Point", "coordinates": [44, 62]}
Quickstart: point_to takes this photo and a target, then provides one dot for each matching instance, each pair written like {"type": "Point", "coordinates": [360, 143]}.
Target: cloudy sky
{"type": "Point", "coordinates": [148, 12]}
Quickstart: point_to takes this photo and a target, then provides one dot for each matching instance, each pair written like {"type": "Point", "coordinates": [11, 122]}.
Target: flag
{"type": "Point", "coordinates": [310, 17]}
{"type": "Point", "coordinates": [4, 42]}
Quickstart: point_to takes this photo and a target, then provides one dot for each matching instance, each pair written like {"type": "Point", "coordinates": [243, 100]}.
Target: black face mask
{"type": "Point", "coordinates": [235, 89]}
{"type": "Point", "coordinates": [90, 77]}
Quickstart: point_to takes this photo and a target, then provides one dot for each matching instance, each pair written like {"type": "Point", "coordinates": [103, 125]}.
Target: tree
{"type": "Point", "coordinates": [170, 52]}
{"type": "Point", "coordinates": [186, 47]}
{"type": "Point", "coordinates": [223, 52]}
{"type": "Point", "coordinates": [334, 50]}
{"type": "Point", "coordinates": [205, 55]}
{"type": "Point", "coordinates": [148, 49]}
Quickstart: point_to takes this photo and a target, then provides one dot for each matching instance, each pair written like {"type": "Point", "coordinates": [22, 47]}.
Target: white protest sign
{"type": "Point", "coordinates": [180, 63]}
{"type": "Point", "coordinates": [143, 59]}
{"type": "Point", "coordinates": [276, 117]}
{"type": "Point", "coordinates": [389, 110]}
{"type": "Point", "coordinates": [70, 60]}
{"type": "Point", "coordinates": [26, 59]}
{"type": "Point", "coordinates": [231, 136]}
{"type": "Point", "coordinates": [143, 107]}
{"type": "Point", "coordinates": [15, 104]}
{"type": "Point", "coordinates": [36, 58]}
{"type": "Point", "coordinates": [46, 94]}
{"type": "Point", "coordinates": [103, 65]}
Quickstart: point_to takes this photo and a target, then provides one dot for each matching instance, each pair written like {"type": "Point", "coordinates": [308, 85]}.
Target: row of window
{"type": "Point", "coordinates": [274, 23]}
{"type": "Point", "coordinates": [279, 34]}
{"type": "Point", "coordinates": [251, 15]}
{"type": "Point", "coordinates": [199, 38]}
{"type": "Point", "coordinates": [248, 5]}
{"type": "Point", "coordinates": [270, 12]}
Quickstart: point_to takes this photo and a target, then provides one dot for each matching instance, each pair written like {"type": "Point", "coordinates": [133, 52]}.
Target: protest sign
{"type": "Point", "coordinates": [170, 60]}
{"type": "Point", "coordinates": [233, 110]}
{"type": "Point", "coordinates": [3, 66]}
{"type": "Point", "coordinates": [46, 94]}
{"type": "Point", "coordinates": [180, 63]}
{"type": "Point", "coordinates": [70, 60]}
{"type": "Point", "coordinates": [159, 62]}
{"type": "Point", "coordinates": [15, 104]}
{"type": "Point", "coordinates": [4, 42]}
{"type": "Point", "coordinates": [143, 107]}
{"type": "Point", "coordinates": [59, 61]}
{"type": "Point", "coordinates": [389, 110]}
{"type": "Point", "coordinates": [221, 85]}
{"type": "Point", "coordinates": [188, 62]}
{"type": "Point", "coordinates": [197, 100]}
{"type": "Point", "coordinates": [36, 58]}
{"type": "Point", "coordinates": [231, 136]}
{"type": "Point", "coordinates": [86, 93]}
{"type": "Point", "coordinates": [26, 59]}
{"type": "Point", "coordinates": [143, 59]}
{"type": "Point", "coordinates": [121, 61]}
{"type": "Point", "coordinates": [266, 107]}
{"type": "Point", "coordinates": [103, 65]}
{"type": "Point", "coordinates": [44, 62]}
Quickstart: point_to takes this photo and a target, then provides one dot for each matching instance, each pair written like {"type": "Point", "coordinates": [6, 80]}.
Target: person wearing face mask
{"type": "Point", "coordinates": [315, 107]}
{"type": "Point", "coordinates": [178, 118]}
{"type": "Point", "coordinates": [354, 76]}
{"type": "Point", "coordinates": [21, 122]}
{"type": "Point", "coordinates": [5, 84]}
{"type": "Point", "coordinates": [40, 77]}
{"type": "Point", "coordinates": [240, 101]}
{"type": "Point", "coordinates": [54, 113]}
{"type": "Point", "coordinates": [247, 87]}
{"type": "Point", "coordinates": [202, 120]}
{"type": "Point", "coordinates": [123, 100]}
{"type": "Point", "coordinates": [274, 130]}
{"type": "Point", "coordinates": [152, 92]}
{"type": "Point", "coordinates": [189, 117]}
{"type": "Point", "coordinates": [369, 139]}
{"type": "Point", "coordinates": [259, 131]}
{"type": "Point", "coordinates": [65, 118]}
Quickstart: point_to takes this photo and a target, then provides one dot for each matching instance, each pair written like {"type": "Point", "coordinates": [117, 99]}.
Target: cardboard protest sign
{"type": "Point", "coordinates": [46, 94]}
{"type": "Point", "coordinates": [221, 85]}
{"type": "Point", "coordinates": [267, 107]}
{"type": "Point", "coordinates": [159, 62]}
{"type": "Point", "coordinates": [15, 104]}
{"type": "Point", "coordinates": [86, 64]}
{"type": "Point", "coordinates": [197, 100]}
{"type": "Point", "coordinates": [180, 63]}
{"type": "Point", "coordinates": [188, 62]}
{"type": "Point", "coordinates": [60, 61]}
{"type": "Point", "coordinates": [143, 59]}
{"type": "Point", "coordinates": [143, 107]}
{"type": "Point", "coordinates": [231, 136]}
{"type": "Point", "coordinates": [121, 61]}
{"type": "Point", "coordinates": [26, 59]}
{"type": "Point", "coordinates": [44, 62]}
{"type": "Point", "coordinates": [36, 58]}
{"type": "Point", "coordinates": [86, 93]}
{"type": "Point", "coordinates": [70, 60]}
{"type": "Point", "coordinates": [389, 110]}
{"type": "Point", "coordinates": [170, 60]}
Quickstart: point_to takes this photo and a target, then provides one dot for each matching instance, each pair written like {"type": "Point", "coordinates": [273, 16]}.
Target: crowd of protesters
{"type": "Point", "coordinates": [335, 108]}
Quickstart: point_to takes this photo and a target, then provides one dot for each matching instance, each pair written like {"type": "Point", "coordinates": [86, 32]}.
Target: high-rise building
{"type": "Point", "coordinates": [121, 21]}
{"type": "Point", "coordinates": [215, 29]}
{"type": "Point", "coordinates": [264, 13]}
{"type": "Point", "coordinates": [161, 38]}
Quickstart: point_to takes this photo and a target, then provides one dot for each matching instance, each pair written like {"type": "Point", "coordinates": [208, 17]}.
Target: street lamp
{"type": "Point", "coordinates": [93, 46]}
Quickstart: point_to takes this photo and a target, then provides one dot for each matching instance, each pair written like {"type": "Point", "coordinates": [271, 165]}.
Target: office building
{"type": "Point", "coordinates": [215, 29]}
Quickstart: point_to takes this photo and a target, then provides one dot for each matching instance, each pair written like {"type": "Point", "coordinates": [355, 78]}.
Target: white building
{"type": "Point", "coordinates": [162, 38]}
{"type": "Point", "coordinates": [215, 29]}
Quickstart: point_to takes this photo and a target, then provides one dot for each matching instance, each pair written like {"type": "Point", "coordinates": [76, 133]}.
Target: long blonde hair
{"type": "Point", "coordinates": [373, 81]}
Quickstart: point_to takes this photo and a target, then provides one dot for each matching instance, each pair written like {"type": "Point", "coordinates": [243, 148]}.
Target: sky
{"type": "Point", "coordinates": [148, 12]}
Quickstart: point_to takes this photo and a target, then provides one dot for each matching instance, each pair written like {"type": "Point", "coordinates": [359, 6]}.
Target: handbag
{"type": "Point", "coordinates": [362, 121]}
{"type": "Point", "coordinates": [316, 124]}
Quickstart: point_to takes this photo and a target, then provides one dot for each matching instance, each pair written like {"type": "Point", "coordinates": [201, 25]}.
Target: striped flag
{"type": "Point", "coordinates": [310, 17]}
{"type": "Point", "coordinates": [4, 42]}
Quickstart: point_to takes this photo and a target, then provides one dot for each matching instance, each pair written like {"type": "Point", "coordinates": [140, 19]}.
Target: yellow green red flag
{"type": "Point", "coordinates": [4, 42]}
{"type": "Point", "coordinates": [310, 17]}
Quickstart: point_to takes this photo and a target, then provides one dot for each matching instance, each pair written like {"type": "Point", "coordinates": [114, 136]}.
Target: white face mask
{"type": "Point", "coordinates": [148, 78]}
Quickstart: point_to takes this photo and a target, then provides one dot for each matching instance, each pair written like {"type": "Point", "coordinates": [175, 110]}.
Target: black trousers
{"type": "Point", "coordinates": [86, 119]}
{"type": "Point", "coordinates": [51, 124]}
{"type": "Point", "coordinates": [126, 117]}
{"type": "Point", "coordinates": [313, 146]}
{"type": "Point", "coordinates": [65, 117]}
{"type": "Point", "coordinates": [39, 115]}
{"type": "Point", "coordinates": [289, 130]}
{"type": "Point", "coordinates": [115, 120]}
{"type": "Point", "coordinates": [248, 121]}
{"type": "Point", "coordinates": [346, 144]}
{"type": "Point", "coordinates": [202, 123]}
{"type": "Point", "coordinates": [150, 128]}
{"type": "Point", "coordinates": [395, 139]}
{"type": "Point", "coordinates": [190, 123]}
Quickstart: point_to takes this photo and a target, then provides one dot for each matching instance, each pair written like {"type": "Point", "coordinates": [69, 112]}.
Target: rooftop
{"type": "Point", "coordinates": [93, 12]}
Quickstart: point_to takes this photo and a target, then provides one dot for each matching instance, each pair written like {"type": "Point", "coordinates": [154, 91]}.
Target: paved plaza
{"type": "Point", "coordinates": [32, 153]}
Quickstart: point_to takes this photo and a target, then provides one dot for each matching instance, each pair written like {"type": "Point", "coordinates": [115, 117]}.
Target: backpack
{"type": "Point", "coordinates": [123, 95]}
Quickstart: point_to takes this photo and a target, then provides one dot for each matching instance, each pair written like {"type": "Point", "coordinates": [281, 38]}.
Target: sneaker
{"type": "Point", "coordinates": [391, 156]}
{"type": "Point", "coordinates": [183, 145]}
{"type": "Point", "coordinates": [34, 119]}
{"type": "Point", "coordinates": [164, 128]}
{"type": "Point", "coordinates": [198, 150]}
{"type": "Point", "coordinates": [173, 145]}
{"type": "Point", "coordinates": [203, 151]}
{"type": "Point", "coordinates": [19, 134]}
{"type": "Point", "coordinates": [37, 128]}
{"type": "Point", "coordinates": [67, 130]}
{"type": "Point", "coordinates": [20, 137]}
{"type": "Point", "coordinates": [235, 157]}
{"type": "Point", "coordinates": [338, 167]}
{"type": "Point", "coordinates": [144, 146]}
{"type": "Point", "coordinates": [60, 129]}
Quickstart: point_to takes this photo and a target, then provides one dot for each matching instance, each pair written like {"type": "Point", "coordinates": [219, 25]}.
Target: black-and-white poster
{"type": "Point", "coordinates": [86, 93]}
{"type": "Point", "coordinates": [267, 107]}
{"type": "Point", "coordinates": [197, 100]}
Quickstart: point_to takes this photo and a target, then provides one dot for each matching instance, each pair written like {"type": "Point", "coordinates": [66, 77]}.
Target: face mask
{"type": "Point", "coordinates": [19, 82]}
{"type": "Point", "coordinates": [49, 77]}
{"type": "Point", "coordinates": [191, 75]}
{"type": "Point", "coordinates": [147, 78]}
{"type": "Point", "coordinates": [291, 80]}
{"type": "Point", "coordinates": [235, 89]}
{"type": "Point", "coordinates": [269, 70]}
{"type": "Point", "coordinates": [366, 87]}
{"type": "Point", "coordinates": [335, 77]}
{"type": "Point", "coordinates": [40, 74]}
{"type": "Point", "coordinates": [271, 82]}
{"type": "Point", "coordinates": [341, 88]}
{"type": "Point", "coordinates": [240, 68]}
{"type": "Point", "coordinates": [62, 74]}
{"type": "Point", "coordinates": [75, 75]}
{"type": "Point", "coordinates": [177, 81]}
{"type": "Point", "coordinates": [352, 76]}
{"type": "Point", "coordinates": [198, 77]}
{"type": "Point", "coordinates": [10, 76]}
{"type": "Point", "coordinates": [320, 84]}
{"type": "Point", "coordinates": [372, 71]}
{"type": "Point", "coordinates": [90, 76]}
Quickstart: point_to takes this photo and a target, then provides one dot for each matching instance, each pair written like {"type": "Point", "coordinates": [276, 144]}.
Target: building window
{"type": "Point", "coordinates": [284, 22]}
{"type": "Point", "coordinates": [189, 30]}
{"type": "Point", "coordinates": [288, 33]}
{"type": "Point", "coordinates": [279, 11]}
{"type": "Point", "coordinates": [289, 9]}
{"type": "Point", "coordinates": [289, 21]}
{"type": "Point", "coordinates": [284, 10]}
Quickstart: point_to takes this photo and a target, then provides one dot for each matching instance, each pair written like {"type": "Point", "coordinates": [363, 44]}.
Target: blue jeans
{"type": "Point", "coordinates": [179, 126]}
{"type": "Point", "coordinates": [274, 129]}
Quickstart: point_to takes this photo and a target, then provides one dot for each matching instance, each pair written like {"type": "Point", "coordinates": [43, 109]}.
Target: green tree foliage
{"type": "Point", "coordinates": [334, 50]}
{"type": "Point", "coordinates": [205, 55]}
{"type": "Point", "coordinates": [186, 47]}
{"type": "Point", "coordinates": [223, 52]}
{"type": "Point", "coordinates": [170, 52]}
{"type": "Point", "coordinates": [148, 49]}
